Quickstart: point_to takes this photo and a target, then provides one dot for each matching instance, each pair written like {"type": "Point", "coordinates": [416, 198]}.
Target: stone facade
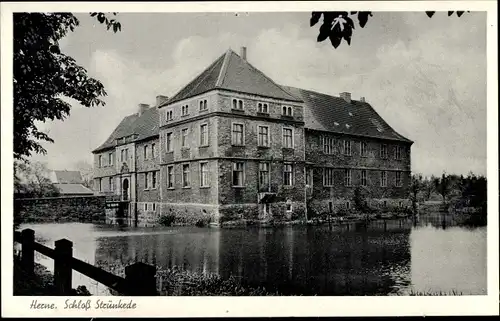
{"type": "Point", "coordinates": [365, 165]}
{"type": "Point", "coordinates": [182, 145]}
{"type": "Point", "coordinates": [234, 145]}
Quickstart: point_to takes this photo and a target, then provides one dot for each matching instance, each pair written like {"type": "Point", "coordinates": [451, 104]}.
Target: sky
{"type": "Point", "coordinates": [425, 77]}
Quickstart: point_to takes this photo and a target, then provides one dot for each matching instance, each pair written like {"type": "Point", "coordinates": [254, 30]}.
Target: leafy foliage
{"type": "Point", "coordinates": [339, 25]}
{"type": "Point", "coordinates": [31, 180]}
{"type": "Point", "coordinates": [166, 220]}
{"type": "Point", "coordinates": [443, 185]}
{"type": "Point", "coordinates": [43, 75]}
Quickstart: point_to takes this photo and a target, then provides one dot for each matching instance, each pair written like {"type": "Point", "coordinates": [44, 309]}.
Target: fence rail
{"type": "Point", "coordinates": [139, 278]}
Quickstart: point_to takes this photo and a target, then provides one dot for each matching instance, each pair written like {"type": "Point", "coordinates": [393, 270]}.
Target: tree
{"type": "Point", "coordinates": [442, 186]}
{"type": "Point", "coordinates": [428, 187]}
{"type": "Point", "coordinates": [416, 185]}
{"type": "Point", "coordinates": [86, 171]}
{"type": "Point", "coordinates": [32, 180]}
{"type": "Point", "coordinates": [43, 75]}
{"type": "Point", "coordinates": [338, 25]}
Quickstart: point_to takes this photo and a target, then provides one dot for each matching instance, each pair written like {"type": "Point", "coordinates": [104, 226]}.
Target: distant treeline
{"type": "Point", "coordinates": [459, 194]}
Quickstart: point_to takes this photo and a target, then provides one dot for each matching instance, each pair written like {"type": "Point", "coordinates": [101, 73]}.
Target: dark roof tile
{"type": "Point", "coordinates": [330, 113]}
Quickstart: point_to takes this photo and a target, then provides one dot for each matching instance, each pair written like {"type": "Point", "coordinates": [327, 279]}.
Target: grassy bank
{"type": "Point", "coordinates": [41, 283]}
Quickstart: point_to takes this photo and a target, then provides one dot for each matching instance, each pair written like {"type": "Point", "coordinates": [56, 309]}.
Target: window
{"type": "Point", "coordinates": [124, 155]}
{"type": "Point", "coordinates": [204, 135]}
{"type": "Point", "coordinates": [110, 159]}
{"type": "Point", "coordinates": [238, 104]}
{"type": "Point", "coordinates": [204, 174]}
{"type": "Point", "coordinates": [111, 184]}
{"type": "Point", "coordinates": [203, 105]}
{"type": "Point", "coordinates": [238, 177]}
{"type": "Point", "coordinates": [264, 174]}
{"type": "Point", "coordinates": [330, 206]}
{"type": "Point", "coordinates": [363, 177]}
{"type": "Point", "coordinates": [153, 179]}
{"type": "Point", "coordinates": [385, 203]}
{"type": "Point", "coordinates": [263, 108]}
{"type": "Point", "coordinates": [383, 178]}
{"type": "Point", "coordinates": [185, 110]}
{"type": "Point", "coordinates": [184, 138]}
{"type": "Point", "coordinates": [264, 136]}
{"type": "Point", "coordinates": [287, 138]}
{"type": "Point", "coordinates": [347, 177]}
{"type": "Point", "coordinates": [237, 138]}
{"type": "Point", "coordinates": [153, 150]}
{"type": "Point", "coordinates": [169, 115]}
{"type": "Point", "coordinates": [186, 175]}
{"type": "Point", "coordinates": [146, 207]}
{"type": "Point", "coordinates": [146, 181]}
{"type": "Point", "coordinates": [100, 161]}
{"type": "Point", "coordinates": [287, 174]}
{"type": "Point", "coordinates": [309, 176]}
{"type": "Point", "coordinates": [364, 149]}
{"type": "Point", "coordinates": [347, 147]}
{"type": "Point", "coordinates": [328, 174]}
{"type": "Point", "coordinates": [170, 177]}
{"type": "Point", "coordinates": [400, 204]}
{"type": "Point", "coordinates": [287, 111]}
{"type": "Point", "coordinates": [399, 182]}
{"type": "Point", "coordinates": [146, 152]}
{"type": "Point", "coordinates": [383, 151]}
{"type": "Point", "coordinates": [99, 182]}
{"type": "Point", "coordinates": [348, 205]}
{"type": "Point", "coordinates": [328, 145]}
{"type": "Point", "coordinates": [397, 152]}
{"type": "Point", "coordinates": [289, 207]}
{"type": "Point", "coordinates": [168, 142]}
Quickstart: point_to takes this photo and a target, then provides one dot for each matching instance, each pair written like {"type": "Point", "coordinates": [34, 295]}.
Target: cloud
{"type": "Point", "coordinates": [430, 88]}
{"type": "Point", "coordinates": [428, 84]}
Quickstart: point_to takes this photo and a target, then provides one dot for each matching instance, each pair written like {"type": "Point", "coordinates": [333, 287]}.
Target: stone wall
{"type": "Point", "coordinates": [61, 209]}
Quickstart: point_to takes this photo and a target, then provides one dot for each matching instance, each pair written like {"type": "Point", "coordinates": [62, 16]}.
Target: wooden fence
{"type": "Point", "coordinates": [140, 279]}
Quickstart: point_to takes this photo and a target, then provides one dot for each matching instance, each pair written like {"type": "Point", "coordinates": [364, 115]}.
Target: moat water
{"type": "Point", "coordinates": [381, 258]}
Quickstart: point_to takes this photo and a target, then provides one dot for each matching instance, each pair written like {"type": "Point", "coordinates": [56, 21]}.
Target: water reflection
{"type": "Point", "coordinates": [377, 258]}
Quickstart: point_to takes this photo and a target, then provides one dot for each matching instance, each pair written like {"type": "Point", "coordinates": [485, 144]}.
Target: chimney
{"type": "Point", "coordinates": [243, 53]}
{"type": "Point", "coordinates": [346, 96]}
{"type": "Point", "coordinates": [362, 99]}
{"type": "Point", "coordinates": [160, 99]}
{"type": "Point", "coordinates": [143, 108]}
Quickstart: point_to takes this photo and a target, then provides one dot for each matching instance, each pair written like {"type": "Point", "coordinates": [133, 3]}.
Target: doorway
{"type": "Point", "coordinates": [125, 190]}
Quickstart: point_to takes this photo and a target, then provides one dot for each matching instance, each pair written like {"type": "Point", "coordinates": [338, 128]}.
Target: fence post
{"type": "Point", "coordinates": [62, 266]}
{"type": "Point", "coordinates": [141, 279]}
{"type": "Point", "coordinates": [28, 250]}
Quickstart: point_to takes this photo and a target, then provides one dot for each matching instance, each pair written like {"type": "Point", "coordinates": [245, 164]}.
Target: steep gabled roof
{"type": "Point", "coordinates": [144, 126]}
{"type": "Point", "coordinates": [231, 72]}
{"type": "Point", "coordinates": [330, 113]}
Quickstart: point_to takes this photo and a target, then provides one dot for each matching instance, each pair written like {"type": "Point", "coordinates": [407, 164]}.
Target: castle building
{"type": "Point", "coordinates": [233, 144]}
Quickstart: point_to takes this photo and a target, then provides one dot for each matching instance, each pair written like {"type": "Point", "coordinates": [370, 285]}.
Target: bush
{"type": "Point", "coordinates": [166, 220]}
{"type": "Point", "coordinates": [200, 223]}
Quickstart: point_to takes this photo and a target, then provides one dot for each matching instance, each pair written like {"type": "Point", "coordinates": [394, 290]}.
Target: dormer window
{"type": "Point", "coordinates": [185, 110]}
{"type": "Point", "coordinates": [263, 108]}
{"type": "Point", "coordinates": [203, 105]}
{"type": "Point", "coordinates": [238, 104]}
{"type": "Point", "coordinates": [169, 115]}
{"type": "Point", "coordinates": [287, 111]}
